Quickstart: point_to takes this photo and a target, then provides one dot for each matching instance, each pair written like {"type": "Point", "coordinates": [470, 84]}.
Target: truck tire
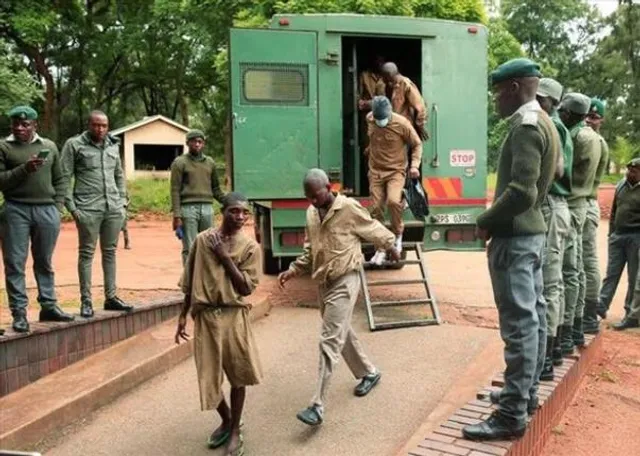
{"type": "Point", "coordinates": [270, 264]}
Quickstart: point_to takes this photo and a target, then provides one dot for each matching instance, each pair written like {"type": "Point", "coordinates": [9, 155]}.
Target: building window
{"type": "Point", "coordinates": [275, 84]}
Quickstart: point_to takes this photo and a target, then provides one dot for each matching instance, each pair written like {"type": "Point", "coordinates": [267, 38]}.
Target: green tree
{"type": "Point", "coordinates": [18, 86]}
{"type": "Point", "coordinates": [622, 152]}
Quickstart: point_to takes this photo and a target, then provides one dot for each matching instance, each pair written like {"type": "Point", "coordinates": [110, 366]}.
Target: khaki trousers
{"type": "Point", "coordinates": [387, 189]}
{"type": "Point", "coordinates": [338, 299]}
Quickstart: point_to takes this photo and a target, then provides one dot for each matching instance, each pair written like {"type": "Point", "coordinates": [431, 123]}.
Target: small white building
{"type": "Point", "coordinates": [149, 146]}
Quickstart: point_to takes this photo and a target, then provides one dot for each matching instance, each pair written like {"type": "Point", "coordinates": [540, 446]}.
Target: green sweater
{"type": "Point", "coordinates": [625, 212]}
{"type": "Point", "coordinates": [193, 180]}
{"type": "Point", "coordinates": [526, 168]}
{"type": "Point", "coordinates": [602, 166]}
{"type": "Point", "coordinates": [45, 186]}
{"type": "Point", "coordinates": [562, 186]}
{"type": "Point", "coordinates": [587, 152]}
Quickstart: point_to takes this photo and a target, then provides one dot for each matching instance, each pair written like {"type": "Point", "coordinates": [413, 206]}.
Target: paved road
{"type": "Point", "coordinates": [162, 417]}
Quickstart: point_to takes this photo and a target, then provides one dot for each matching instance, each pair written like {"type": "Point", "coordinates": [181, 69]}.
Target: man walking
{"type": "Point", "coordinates": [558, 220]}
{"type": "Point", "coordinates": [587, 151]}
{"type": "Point", "coordinates": [96, 202]}
{"type": "Point", "coordinates": [32, 184]}
{"type": "Point", "coordinates": [516, 227]}
{"type": "Point", "coordinates": [405, 98]}
{"type": "Point", "coordinates": [333, 255]}
{"type": "Point", "coordinates": [222, 270]}
{"type": "Point", "coordinates": [390, 135]}
{"type": "Point", "coordinates": [632, 319]}
{"type": "Point", "coordinates": [624, 239]}
{"type": "Point", "coordinates": [194, 185]}
{"type": "Point", "coordinates": [590, 285]}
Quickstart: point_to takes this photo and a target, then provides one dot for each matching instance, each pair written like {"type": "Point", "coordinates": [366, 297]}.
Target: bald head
{"type": "Point", "coordinates": [316, 177]}
{"type": "Point", "coordinates": [389, 71]}
{"type": "Point", "coordinates": [98, 126]}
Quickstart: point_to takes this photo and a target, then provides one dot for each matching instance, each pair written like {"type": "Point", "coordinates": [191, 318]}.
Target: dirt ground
{"type": "Point", "coordinates": [601, 421]}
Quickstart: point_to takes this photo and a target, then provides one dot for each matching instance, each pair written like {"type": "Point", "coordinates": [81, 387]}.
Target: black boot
{"type": "Point", "coordinates": [547, 371]}
{"type": "Point", "coordinates": [55, 313]}
{"type": "Point", "coordinates": [127, 244]}
{"type": "Point", "coordinates": [532, 405]}
{"type": "Point", "coordinates": [117, 304]}
{"type": "Point", "coordinates": [20, 323]}
{"type": "Point", "coordinates": [556, 352]}
{"type": "Point", "coordinates": [566, 340]}
{"type": "Point", "coordinates": [577, 334]}
{"type": "Point", "coordinates": [496, 427]}
{"type": "Point", "coordinates": [86, 310]}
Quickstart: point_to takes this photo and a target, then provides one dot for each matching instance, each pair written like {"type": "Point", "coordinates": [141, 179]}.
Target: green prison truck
{"type": "Point", "coordinates": [294, 98]}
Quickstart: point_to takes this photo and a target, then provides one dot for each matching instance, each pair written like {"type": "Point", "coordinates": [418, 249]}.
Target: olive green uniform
{"type": "Point", "coordinates": [97, 201]}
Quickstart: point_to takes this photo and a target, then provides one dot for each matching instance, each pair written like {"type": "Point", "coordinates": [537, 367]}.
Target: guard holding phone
{"type": "Point", "coordinates": [33, 187]}
{"type": "Point", "coordinates": [96, 202]}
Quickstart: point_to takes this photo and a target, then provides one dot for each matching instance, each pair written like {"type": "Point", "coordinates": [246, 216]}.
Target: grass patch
{"type": "Point", "coordinates": [612, 178]}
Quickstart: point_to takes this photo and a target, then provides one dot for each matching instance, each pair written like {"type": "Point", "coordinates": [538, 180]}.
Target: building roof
{"type": "Point", "coordinates": [146, 121]}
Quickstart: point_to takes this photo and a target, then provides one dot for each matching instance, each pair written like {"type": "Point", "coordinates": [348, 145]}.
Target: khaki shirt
{"type": "Point", "coordinates": [99, 183]}
{"type": "Point", "coordinates": [406, 100]}
{"type": "Point", "coordinates": [387, 151]}
{"type": "Point", "coordinates": [370, 85]}
{"type": "Point", "coordinates": [205, 279]}
{"type": "Point", "coordinates": [333, 247]}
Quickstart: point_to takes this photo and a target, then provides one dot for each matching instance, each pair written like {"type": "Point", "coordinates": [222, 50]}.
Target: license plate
{"type": "Point", "coordinates": [453, 219]}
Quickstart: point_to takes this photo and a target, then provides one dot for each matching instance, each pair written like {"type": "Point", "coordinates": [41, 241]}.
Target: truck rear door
{"type": "Point", "coordinates": [274, 103]}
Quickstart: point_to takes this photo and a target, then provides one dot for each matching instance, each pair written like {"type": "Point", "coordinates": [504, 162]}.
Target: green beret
{"type": "Point", "coordinates": [193, 134]}
{"type": "Point", "coordinates": [515, 68]}
{"type": "Point", "coordinates": [597, 107]}
{"type": "Point", "coordinates": [23, 112]}
{"type": "Point", "coordinates": [633, 163]}
{"type": "Point", "coordinates": [576, 103]}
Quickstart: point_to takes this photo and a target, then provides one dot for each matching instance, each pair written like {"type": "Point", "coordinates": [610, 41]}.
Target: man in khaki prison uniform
{"type": "Point", "coordinates": [221, 270]}
{"type": "Point", "coordinates": [389, 136]}
{"type": "Point", "coordinates": [370, 84]}
{"type": "Point", "coordinates": [405, 97]}
{"type": "Point", "coordinates": [333, 256]}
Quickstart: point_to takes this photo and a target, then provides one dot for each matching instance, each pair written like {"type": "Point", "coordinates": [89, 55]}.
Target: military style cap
{"type": "Point", "coordinates": [193, 134]}
{"type": "Point", "coordinates": [381, 108]}
{"type": "Point", "coordinates": [550, 88]}
{"type": "Point", "coordinates": [633, 163]}
{"type": "Point", "coordinates": [515, 68]}
{"type": "Point", "coordinates": [23, 112]}
{"type": "Point", "coordinates": [597, 107]}
{"type": "Point", "coordinates": [576, 103]}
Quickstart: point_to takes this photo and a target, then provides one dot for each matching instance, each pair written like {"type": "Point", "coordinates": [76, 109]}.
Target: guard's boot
{"type": "Point", "coordinates": [20, 323]}
{"type": "Point", "coordinates": [556, 352]}
{"type": "Point", "coordinates": [547, 371]}
{"type": "Point", "coordinates": [566, 340]}
{"type": "Point", "coordinates": [532, 405]}
{"type": "Point", "coordinates": [55, 313]}
{"type": "Point", "coordinates": [577, 334]}
{"type": "Point", "coordinates": [127, 244]}
{"type": "Point", "coordinates": [86, 310]}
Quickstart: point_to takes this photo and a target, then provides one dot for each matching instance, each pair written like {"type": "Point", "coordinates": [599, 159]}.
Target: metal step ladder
{"type": "Point", "coordinates": [429, 301]}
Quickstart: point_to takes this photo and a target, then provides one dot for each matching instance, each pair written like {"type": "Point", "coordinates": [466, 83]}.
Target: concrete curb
{"type": "Point", "coordinates": [36, 423]}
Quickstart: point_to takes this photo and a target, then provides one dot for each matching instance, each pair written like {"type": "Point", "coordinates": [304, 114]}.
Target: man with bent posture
{"type": "Point", "coordinates": [333, 255]}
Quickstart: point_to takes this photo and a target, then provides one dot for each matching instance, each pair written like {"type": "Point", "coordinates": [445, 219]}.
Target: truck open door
{"type": "Point", "coordinates": [274, 108]}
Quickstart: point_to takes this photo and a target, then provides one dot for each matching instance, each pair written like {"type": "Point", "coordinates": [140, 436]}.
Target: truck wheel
{"type": "Point", "coordinates": [270, 264]}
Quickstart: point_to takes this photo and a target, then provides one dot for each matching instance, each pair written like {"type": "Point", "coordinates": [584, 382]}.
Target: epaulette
{"type": "Point", "coordinates": [530, 118]}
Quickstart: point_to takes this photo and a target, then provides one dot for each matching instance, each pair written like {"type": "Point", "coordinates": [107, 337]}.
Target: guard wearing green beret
{"type": "Point", "coordinates": [515, 224]}
{"type": "Point", "coordinates": [587, 159]}
{"type": "Point", "coordinates": [194, 186]}
{"type": "Point", "coordinates": [589, 294]}
{"type": "Point", "coordinates": [33, 187]}
{"type": "Point", "coordinates": [96, 202]}
{"type": "Point", "coordinates": [558, 220]}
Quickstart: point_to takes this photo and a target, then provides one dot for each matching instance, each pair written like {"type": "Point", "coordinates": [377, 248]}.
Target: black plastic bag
{"type": "Point", "coordinates": [417, 198]}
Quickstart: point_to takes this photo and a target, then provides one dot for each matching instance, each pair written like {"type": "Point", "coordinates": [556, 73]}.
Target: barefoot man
{"type": "Point", "coordinates": [221, 270]}
{"type": "Point", "coordinates": [332, 255]}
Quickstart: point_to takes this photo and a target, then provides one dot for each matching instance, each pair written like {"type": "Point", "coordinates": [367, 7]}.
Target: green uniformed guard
{"type": "Point", "coordinates": [590, 286]}
{"type": "Point", "coordinates": [32, 184]}
{"type": "Point", "coordinates": [96, 202]}
{"type": "Point", "coordinates": [623, 239]}
{"type": "Point", "coordinates": [515, 224]}
{"type": "Point", "coordinates": [558, 219]}
{"type": "Point", "coordinates": [194, 185]}
{"type": "Point", "coordinates": [587, 151]}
